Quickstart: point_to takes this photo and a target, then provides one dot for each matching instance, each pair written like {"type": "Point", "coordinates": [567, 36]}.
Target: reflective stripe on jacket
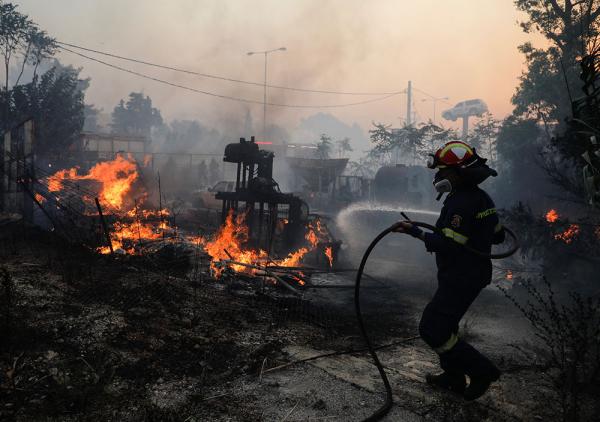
{"type": "Point", "coordinates": [468, 217]}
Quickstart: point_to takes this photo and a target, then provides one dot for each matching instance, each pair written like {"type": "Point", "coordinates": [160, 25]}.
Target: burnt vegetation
{"type": "Point", "coordinates": [130, 296]}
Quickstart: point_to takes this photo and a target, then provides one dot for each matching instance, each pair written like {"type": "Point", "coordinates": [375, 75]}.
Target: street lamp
{"type": "Point", "coordinates": [435, 100]}
{"type": "Point", "coordinates": [266, 52]}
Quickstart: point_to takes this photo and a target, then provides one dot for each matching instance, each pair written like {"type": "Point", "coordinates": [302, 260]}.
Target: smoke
{"type": "Point", "coordinates": [333, 45]}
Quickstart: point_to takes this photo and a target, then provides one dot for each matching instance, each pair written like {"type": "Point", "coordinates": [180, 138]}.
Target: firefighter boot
{"type": "Point", "coordinates": [451, 381]}
{"type": "Point", "coordinates": [479, 385]}
{"type": "Point", "coordinates": [481, 371]}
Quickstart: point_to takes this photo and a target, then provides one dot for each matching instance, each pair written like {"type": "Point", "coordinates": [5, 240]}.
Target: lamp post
{"type": "Point", "coordinates": [435, 100]}
{"type": "Point", "coordinates": [266, 52]}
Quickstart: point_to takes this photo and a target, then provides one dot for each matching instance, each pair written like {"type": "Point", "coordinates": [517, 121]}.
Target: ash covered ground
{"type": "Point", "coordinates": [94, 337]}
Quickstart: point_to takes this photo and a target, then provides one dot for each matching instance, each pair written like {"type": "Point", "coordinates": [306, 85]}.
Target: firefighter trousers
{"type": "Point", "coordinates": [439, 329]}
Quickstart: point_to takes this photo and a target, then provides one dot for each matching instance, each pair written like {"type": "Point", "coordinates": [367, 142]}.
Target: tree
{"type": "Point", "coordinates": [55, 101]}
{"type": "Point", "coordinates": [42, 47]}
{"type": "Point", "coordinates": [136, 117]}
{"type": "Point", "coordinates": [323, 150]}
{"type": "Point", "coordinates": [91, 118]}
{"type": "Point", "coordinates": [551, 77]}
{"type": "Point", "coordinates": [14, 30]}
{"type": "Point", "coordinates": [548, 88]}
{"type": "Point", "coordinates": [483, 136]}
{"type": "Point", "coordinates": [518, 146]}
{"type": "Point", "coordinates": [343, 145]}
{"type": "Point", "coordinates": [20, 36]}
{"type": "Point", "coordinates": [408, 141]}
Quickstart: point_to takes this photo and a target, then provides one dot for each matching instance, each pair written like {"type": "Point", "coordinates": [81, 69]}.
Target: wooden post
{"type": "Point", "coordinates": [28, 168]}
{"type": "Point", "coordinates": [162, 221]}
{"type": "Point", "coordinates": [104, 226]}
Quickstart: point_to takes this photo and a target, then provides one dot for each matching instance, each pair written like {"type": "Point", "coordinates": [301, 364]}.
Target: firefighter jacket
{"type": "Point", "coordinates": [468, 217]}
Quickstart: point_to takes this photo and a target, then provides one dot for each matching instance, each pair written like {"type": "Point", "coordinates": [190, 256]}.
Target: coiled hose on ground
{"type": "Point", "coordinates": [384, 409]}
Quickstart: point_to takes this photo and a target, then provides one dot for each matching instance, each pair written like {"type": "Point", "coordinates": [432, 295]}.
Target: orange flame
{"type": "Point", "coordinates": [568, 235]}
{"type": "Point", "coordinates": [229, 243]}
{"type": "Point", "coordinates": [55, 183]}
{"type": "Point", "coordinates": [329, 255]}
{"type": "Point", "coordinates": [551, 216]}
{"type": "Point", "coordinates": [117, 178]}
{"type": "Point", "coordinates": [318, 234]}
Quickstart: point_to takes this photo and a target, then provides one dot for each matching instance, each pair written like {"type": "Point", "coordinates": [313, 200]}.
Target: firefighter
{"type": "Point", "coordinates": [468, 217]}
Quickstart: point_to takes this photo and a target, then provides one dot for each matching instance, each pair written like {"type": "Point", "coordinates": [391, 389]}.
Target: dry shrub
{"type": "Point", "coordinates": [568, 329]}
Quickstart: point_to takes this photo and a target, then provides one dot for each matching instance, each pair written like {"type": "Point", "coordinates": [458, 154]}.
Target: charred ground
{"type": "Point", "coordinates": [95, 337]}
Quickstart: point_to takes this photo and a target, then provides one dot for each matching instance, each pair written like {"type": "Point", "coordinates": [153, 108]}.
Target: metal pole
{"type": "Point", "coordinates": [265, 102]}
{"type": "Point", "coordinates": [408, 104]}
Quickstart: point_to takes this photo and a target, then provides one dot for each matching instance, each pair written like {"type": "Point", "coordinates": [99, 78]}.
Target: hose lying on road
{"type": "Point", "coordinates": [387, 405]}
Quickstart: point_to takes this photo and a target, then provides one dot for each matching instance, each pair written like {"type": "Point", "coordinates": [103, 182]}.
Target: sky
{"type": "Point", "coordinates": [460, 49]}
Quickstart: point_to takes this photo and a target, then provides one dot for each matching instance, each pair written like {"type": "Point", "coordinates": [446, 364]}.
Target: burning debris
{"type": "Point", "coordinates": [118, 187]}
{"type": "Point", "coordinates": [551, 216]}
{"type": "Point", "coordinates": [135, 224]}
{"type": "Point", "coordinates": [570, 233]}
{"type": "Point", "coordinates": [230, 243]}
{"type": "Point", "coordinates": [116, 179]}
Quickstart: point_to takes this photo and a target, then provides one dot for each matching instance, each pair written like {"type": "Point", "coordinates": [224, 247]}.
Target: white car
{"type": "Point", "coordinates": [465, 108]}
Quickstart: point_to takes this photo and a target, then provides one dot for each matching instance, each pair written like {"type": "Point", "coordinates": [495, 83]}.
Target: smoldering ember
{"type": "Point", "coordinates": [300, 211]}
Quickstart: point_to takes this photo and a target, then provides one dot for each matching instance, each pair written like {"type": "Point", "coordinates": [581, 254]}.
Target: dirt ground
{"type": "Point", "coordinates": [88, 337]}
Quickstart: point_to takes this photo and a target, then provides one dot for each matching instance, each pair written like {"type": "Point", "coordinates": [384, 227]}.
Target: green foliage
{"type": "Point", "coordinates": [343, 145]}
{"type": "Point", "coordinates": [542, 92]}
{"type": "Point", "coordinates": [483, 137]}
{"type": "Point", "coordinates": [19, 36]}
{"type": "Point", "coordinates": [324, 146]}
{"type": "Point", "coordinates": [55, 102]}
{"type": "Point", "coordinates": [409, 141]}
{"type": "Point", "coordinates": [91, 118]}
{"type": "Point", "coordinates": [518, 156]}
{"type": "Point", "coordinates": [14, 29]}
{"type": "Point", "coordinates": [552, 73]}
{"type": "Point", "coordinates": [136, 117]}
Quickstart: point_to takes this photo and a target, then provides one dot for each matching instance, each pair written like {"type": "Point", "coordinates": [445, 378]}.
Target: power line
{"type": "Point", "coordinates": [223, 78]}
{"type": "Point", "coordinates": [431, 96]}
{"type": "Point", "coordinates": [227, 97]}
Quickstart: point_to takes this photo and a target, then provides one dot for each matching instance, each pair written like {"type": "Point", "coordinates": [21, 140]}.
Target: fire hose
{"type": "Point", "coordinates": [387, 405]}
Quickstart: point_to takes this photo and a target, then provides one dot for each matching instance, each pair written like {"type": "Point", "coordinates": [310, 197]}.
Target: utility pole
{"type": "Point", "coordinates": [265, 102]}
{"type": "Point", "coordinates": [266, 52]}
{"type": "Point", "coordinates": [409, 104]}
